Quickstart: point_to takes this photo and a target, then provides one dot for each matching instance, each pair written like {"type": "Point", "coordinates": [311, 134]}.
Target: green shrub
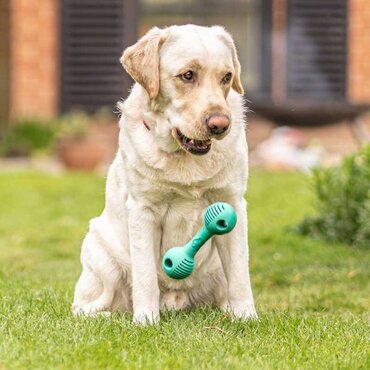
{"type": "Point", "coordinates": [23, 138]}
{"type": "Point", "coordinates": [74, 125]}
{"type": "Point", "coordinates": [342, 202]}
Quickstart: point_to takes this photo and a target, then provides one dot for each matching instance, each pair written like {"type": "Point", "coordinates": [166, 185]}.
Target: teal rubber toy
{"type": "Point", "coordinates": [178, 262]}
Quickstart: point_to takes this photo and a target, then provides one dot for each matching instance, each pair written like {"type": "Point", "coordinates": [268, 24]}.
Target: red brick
{"type": "Point", "coordinates": [359, 51]}
{"type": "Point", "coordinates": [34, 67]}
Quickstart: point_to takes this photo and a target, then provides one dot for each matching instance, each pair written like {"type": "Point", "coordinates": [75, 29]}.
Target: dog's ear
{"type": "Point", "coordinates": [141, 61]}
{"type": "Point", "coordinates": [226, 37]}
{"type": "Point", "coordinates": [237, 83]}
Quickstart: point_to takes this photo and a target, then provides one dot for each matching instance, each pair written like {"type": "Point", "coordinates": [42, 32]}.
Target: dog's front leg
{"type": "Point", "coordinates": [233, 251]}
{"type": "Point", "coordinates": [145, 291]}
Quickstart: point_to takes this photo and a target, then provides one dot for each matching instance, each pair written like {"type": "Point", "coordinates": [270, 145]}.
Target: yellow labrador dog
{"type": "Point", "coordinates": [182, 146]}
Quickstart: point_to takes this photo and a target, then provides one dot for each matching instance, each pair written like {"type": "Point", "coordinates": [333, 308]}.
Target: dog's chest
{"type": "Point", "coordinates": [181, 213]}
{"type": "Point", "coordinates": [181, 209]}
{"type": "Point", "coordinates": [181, 219]}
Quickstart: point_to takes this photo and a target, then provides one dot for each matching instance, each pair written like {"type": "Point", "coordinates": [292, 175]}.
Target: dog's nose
{"type": "Point", "coordinates": [217, 123]}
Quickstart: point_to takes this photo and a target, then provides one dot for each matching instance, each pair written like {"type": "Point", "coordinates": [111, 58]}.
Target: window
{"type": "Point", "coordinates": [94, 33]}
{"type": "Point", "coordinates": [316, 49]}
{"type": "Point", "coordinates": [244, 19]}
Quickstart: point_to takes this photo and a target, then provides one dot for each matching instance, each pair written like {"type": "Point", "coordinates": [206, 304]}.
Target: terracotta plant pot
{"type": "Point", "coordinates": [82, 155]}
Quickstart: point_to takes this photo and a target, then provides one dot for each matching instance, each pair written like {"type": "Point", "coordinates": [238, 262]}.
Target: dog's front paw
{"type": "Point", "coordinates": [244, 311]}
{"type": "Point", "coordinates": [146, 317]}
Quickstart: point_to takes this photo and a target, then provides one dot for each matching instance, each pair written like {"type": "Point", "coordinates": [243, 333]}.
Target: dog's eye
{"type": "Point", "coordinates": [188, 76]}
{"type": "Point", "coordinates": [227, 78]}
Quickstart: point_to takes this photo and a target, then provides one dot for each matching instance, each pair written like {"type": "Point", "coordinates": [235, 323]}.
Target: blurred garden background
{"type": "Point", "coordinates": [306, 73]}
{"type": "Point", "coordinates": [305, 66]}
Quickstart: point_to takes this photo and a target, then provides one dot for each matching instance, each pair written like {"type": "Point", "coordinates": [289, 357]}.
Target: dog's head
{"type": "Point", "coordinates": [188, 72]}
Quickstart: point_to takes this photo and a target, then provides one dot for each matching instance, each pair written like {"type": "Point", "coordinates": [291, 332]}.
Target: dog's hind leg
{"type": "Point", "coordinates": [88, 288]}
{"type": "Point", "coordinates": [100, 305]}
{"type": "Point", "coordinates": [96, 287]}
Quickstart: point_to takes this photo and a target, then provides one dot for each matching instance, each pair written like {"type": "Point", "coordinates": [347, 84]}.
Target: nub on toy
{"type": "Point", "coordinates": [178, 262]}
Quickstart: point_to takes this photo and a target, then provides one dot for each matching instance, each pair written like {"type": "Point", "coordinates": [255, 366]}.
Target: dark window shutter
{"type": "Point", "coordinates": [316, 49]}
{"type": "Point", "coordinates": [94, 33]}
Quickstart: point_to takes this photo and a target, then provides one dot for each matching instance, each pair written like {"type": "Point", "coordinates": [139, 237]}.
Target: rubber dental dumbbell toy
{"type": "Point", "coordinates": [178, 262]}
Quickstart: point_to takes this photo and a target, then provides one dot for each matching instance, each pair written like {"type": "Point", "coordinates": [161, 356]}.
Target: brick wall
{"type": "Point", "coordinates": [34, 55]}
{"type": "Point", "coordinates": [359, 51]}
{"type": "Point", "coordinates": [34, 58]}
{"type": "Point", "coordinates": [4, 62]}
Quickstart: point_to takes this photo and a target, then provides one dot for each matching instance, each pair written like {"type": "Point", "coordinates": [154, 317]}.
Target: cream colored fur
{"type": "Point", "coordinates": [156, 192]}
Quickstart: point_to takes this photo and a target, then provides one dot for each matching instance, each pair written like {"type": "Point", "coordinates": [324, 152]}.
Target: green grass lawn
{"type": "Point", "coordinates": [313, 298]}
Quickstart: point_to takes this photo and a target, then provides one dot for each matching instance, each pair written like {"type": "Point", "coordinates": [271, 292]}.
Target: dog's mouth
{"type": "Point", "coordinates": [193, 146]}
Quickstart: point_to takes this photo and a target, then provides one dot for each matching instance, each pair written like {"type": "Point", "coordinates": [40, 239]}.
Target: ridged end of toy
{"type": "Point", "coordinates": [220, 218]}
{"type": "Point", "coordinates": [181, 271]}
